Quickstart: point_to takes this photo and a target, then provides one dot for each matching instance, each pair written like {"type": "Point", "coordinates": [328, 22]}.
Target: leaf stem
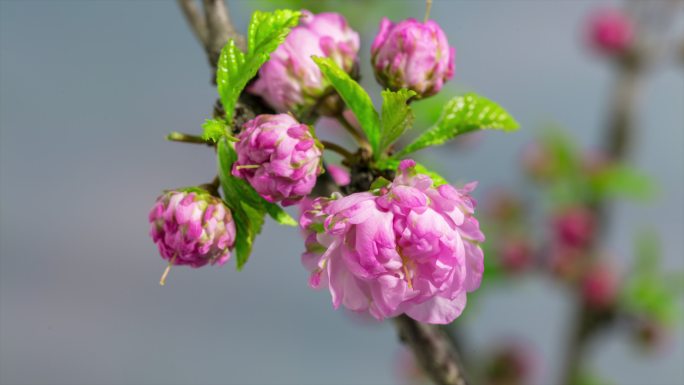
{"type": "Point", "coordinates": [338, 149]}
{"type": "Point", "coordinates": [187, 138]}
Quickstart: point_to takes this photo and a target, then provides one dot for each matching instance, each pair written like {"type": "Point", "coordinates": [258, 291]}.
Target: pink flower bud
{"type": "Point", "coordinates": [192, 228]}
{"type": "Point", "coordinates": [340, 175]}
{"type": "Point", "coordinates": [575, 227]}
{"type": "Point", "coordinates": [610, 31]}
{"type": "Point", "coordinates": [291, 80]}
{"type": "Point", "coordinates": [516, 255]}
{"type": "Point", "coordinates": [413, 248]}
{"type": "Point", "coordinates": [412, 55]}
{"type": "Point", "coordinates": [279, 157]}
{"type": "Point", "coordinates": [600, 287]}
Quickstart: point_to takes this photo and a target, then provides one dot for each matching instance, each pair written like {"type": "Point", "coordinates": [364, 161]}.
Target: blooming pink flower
{"type": "Point", "coordinates": [291, 80]}
{"type": "Point", "coordinates": [279, 157]}
{"type": "Point", "coordinates": [610, 31]}
{"type": "Point", "coordinates": [192, 228]}
{"type": "Point", "coordinates": [408, 248]}
{"type": "Point", "coordinates": [412, 55]}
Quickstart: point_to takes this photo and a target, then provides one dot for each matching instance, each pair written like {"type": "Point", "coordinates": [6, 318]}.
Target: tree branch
{"type": "Point", "coordinates": [195, 20]}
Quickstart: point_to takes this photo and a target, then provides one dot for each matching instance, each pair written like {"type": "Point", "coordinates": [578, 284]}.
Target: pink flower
{"type": "Point", "coordinates": [412, 55]}
{"type": "Point", "coordinates": [291, 80]}
{"type": "Point", "coordinates": [516, 254]}
{"type": "Point", "coordinates": [610, 31]}
{"type": "Point", "coordinates": [600, 287]}
{"type": "Point", "coordinates": [279, 157]}
{"type": "Point", "coordinates": [408, 248]}
{"type": "Point", "coordinates": [575, 227]}
{"type": "Point", "coordinates": [192, 228]}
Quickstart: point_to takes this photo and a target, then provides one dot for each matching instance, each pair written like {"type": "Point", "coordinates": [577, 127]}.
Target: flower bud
{"type": "Point", "coordinates": [279, 157]}
{"type": "Point", "coordinates": [413, 248]}
{"type": "Point", "coordinates": [610, 31]}
{"type": "Point", "coordinates": [290, 80]}
{"type": "Point", "coordinates": [600, 287]}
{"type": "Point", "coordinates": [575, 227]}
{"type": "Point", "coordinates": [192, 227]}
{"type": "Point", "coordinates": [412, 55]}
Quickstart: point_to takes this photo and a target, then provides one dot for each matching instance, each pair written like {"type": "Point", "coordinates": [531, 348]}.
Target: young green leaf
{"type": "Point", "coordinates": [397, 116]}
{"type": "Point", "coordinates": [355, 97]}
{"type": "Point", "coordinates": [622, 181]}
{"type": "Point", "coordinates": [460, 115]}
{"type": "Point", "coordinates": [213, 129]}
{"type": "Point", "coordinates": [281, 216]}
{"type": "Point", "coordinates": [244, 202]}
{"type": "Point", "coordinates": [267, 30]}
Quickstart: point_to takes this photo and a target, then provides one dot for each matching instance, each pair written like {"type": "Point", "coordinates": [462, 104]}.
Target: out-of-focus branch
{"type": "Point", "coordinates": [631, 67]}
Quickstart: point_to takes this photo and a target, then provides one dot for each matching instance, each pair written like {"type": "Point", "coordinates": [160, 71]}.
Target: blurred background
{"type": "Point", "coordinates": [88, 89]}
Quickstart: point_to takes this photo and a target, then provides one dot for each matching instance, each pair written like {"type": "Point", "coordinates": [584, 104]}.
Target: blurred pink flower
{"type": "Point", "coordinates": [611, 31]}
{"type": "Point", "coordinates": [413, 248]}
{"type": "Point", "coordinates": [575, 227]}
{"type": "Point", "coordinates": [600, 286]}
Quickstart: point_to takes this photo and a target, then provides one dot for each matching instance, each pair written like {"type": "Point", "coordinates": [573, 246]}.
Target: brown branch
{"type": "Point", "coordinates": [219, 28]}
{"type": "Point", "coordinates": [433, 350]}
{"type": "Point", "coordinates": [195, 20]}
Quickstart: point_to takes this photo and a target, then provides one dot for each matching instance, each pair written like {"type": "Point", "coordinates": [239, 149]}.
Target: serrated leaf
{"type": "Point", "coordinates": [267, 30]}
{"type": "Point", "coordinates": [243, 201]}
{"type": "Point", "coordinates": [355, 97]}
{"type": "Point", "coordinates": [397, 116]}
{"type": "Point", "coordinates": [279, 215]}
{"type": "Point", "coordinates": [461, 115]}
{"type": "Point", "coordinates": [213, 129]}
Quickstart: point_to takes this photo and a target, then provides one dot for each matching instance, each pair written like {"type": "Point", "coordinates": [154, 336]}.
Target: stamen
{"type": "Point", "coordinates": [247, 166]}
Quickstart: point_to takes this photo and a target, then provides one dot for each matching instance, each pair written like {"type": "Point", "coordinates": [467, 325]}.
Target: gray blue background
{"type": "Point", "coordinates": [88, 89]}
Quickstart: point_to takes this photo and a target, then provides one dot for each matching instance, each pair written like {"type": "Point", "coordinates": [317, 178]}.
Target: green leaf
{"type": "Point", "coordinates": [393, 164]}
{"type": "Point", "coordinates": [267, 30]}
{"type": "Point", "coordinates": [281, 216]}
{"type": "Point", "coordinates": [622, 181]}
{"type": "Point", "coordinates": [460, 115]}
{"type": "Point", "coordinates": [397, 116]}
{"type": "Point", "coordinates": [213, 129]}
{"type": "Point", "coordinates": [355, 97]}
{"type": "Point", "coordinates": [243, 201]}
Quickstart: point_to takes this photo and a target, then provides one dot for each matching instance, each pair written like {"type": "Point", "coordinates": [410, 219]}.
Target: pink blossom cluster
{"type": "Point", "coordinates": [410, 247]}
